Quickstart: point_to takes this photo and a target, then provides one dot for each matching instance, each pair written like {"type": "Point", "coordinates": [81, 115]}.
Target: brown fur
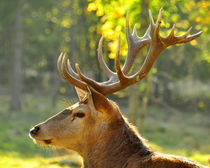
{"type": "Point", "coordinates": [103, 137]}
{"type": "Point", "coordinates": [121, 147]}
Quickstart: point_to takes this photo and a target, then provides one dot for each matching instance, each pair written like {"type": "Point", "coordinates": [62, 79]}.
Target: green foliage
{"type": "Point", "coordinates": [75, 27]}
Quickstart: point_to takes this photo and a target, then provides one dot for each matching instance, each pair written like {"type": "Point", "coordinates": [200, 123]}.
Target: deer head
{"type": "Point", "coordinates": [96, 118]}
{"type": "Point", "coordinates": [72, 127]}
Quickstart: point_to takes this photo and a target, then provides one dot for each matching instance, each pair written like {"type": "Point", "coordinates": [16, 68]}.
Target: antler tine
{"type": "Point", "coordinates": [89, 81]}
{"type": "Point", "coordinates": [192, 37]}
{"type": "Point", "coordinates": [120, 74]}
{"type": "Point", "coordinates": [70, 70]}
{"type": "Point", "coordinates": [186, 33]}
{"type": "Point", "coordinates": [61, 64]}
{"type": "Point", "coordinates": [158, 22]}
{"type": "Point", "coordinates": [152, 23]}
{"type": "Point", "coordinates": [171, 34]}
{"type": "Point", "coordinates": [135, 44]}
{"type": "Point", "coordinates": [102, 63]}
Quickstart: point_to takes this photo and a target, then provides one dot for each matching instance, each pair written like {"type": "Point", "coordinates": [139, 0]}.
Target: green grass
{"type": "Point", "coordinates": [185, 134]}
{"type": "Point", "coordinates": [14, 160]}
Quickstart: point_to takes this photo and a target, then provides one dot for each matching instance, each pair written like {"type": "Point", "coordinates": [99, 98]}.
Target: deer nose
{"type": "Point", "coordinates": [34, 131]}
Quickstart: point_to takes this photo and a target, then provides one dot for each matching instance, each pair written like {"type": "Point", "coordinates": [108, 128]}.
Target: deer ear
{"type": "Point", "coordinates": [97, 100]}
{"type": "Point", "coordinates": [100, 102]}
{"type": "Point", "coordinates": [81, 93]}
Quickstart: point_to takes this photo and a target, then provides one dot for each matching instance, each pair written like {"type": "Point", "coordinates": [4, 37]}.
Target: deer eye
{"type": "Point", "coordinates": [79, 115]}
{"type": "Point", "coordinates": [85, 101]}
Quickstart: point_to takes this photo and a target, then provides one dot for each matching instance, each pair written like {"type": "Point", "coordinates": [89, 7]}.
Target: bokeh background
{"type": "Point", "coordinates": [171, 107]}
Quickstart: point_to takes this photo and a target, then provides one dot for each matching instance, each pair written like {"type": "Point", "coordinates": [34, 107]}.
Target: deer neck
{"type": "Point", "coordinates": [114, 147]}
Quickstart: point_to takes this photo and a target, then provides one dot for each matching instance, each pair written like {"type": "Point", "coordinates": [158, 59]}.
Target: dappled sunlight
{"type": "Point", "coordinates": [14, 160]}
{"type": "Point", "coordinates": [203, 158]}
{"type": "Point", "coordinates": [11, 160]}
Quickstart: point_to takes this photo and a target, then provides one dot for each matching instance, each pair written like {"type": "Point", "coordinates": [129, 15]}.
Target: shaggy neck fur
{"type": "Point", "coordinates": [114, 148]}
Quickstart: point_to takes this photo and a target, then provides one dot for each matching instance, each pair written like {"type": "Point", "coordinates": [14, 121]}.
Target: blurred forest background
{"type": "Point", "coordinates": [171, 107]}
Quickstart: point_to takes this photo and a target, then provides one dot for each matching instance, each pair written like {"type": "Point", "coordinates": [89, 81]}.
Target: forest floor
{"type": "Point", "coordinates": [182, 133]}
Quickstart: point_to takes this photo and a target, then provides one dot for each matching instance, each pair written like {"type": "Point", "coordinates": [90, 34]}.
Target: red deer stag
{"type": "Point", "coordinates": [94, 127]}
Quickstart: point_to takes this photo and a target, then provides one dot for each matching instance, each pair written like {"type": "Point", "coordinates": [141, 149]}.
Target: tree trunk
{"type": "Point", "coordinates": [133, 103]}
{"type": "Point", "coordinates": [145, 102]}
{"type": "Point", "coordinates": [16, 80]}
{"type": "Point", "coordinates": [55, 82]}
{"type": "Point", "coordinates": [134, 92]}
{"type": "Point", "coordinates": [146, 92]}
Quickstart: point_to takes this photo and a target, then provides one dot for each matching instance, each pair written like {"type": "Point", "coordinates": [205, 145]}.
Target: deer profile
{"type": "Point", "coordinates": [95, 127]}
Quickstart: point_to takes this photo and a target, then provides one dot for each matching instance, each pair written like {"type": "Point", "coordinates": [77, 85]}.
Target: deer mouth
{"type": "Point", "coordinates": [47, 141]}
{"type": "Point", "coordinates": [43, 141]}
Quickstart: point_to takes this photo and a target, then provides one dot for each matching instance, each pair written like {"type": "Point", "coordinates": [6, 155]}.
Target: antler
{"type": "Point", "coordinates": [119, 80]}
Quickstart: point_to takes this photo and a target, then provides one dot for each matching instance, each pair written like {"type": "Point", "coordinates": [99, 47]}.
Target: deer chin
{"type": "Point", "coordinates": [43, 142]}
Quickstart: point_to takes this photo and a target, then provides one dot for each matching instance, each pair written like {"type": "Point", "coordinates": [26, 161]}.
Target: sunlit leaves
{"type": "Point", "coordinates": [193, 42]}
{"type": "Point", "coordinates": [92, 7]}
{"type": "Point", "coordinates": [112, 17]}
{"type": "Point", "coordinates": [96, 6]}
{"type": "Point", "coordinates": [66, 23]}
{"type": "Point", "coordinates": [76, 26]}
{"type": "Point", "coordinates": [118, 13]}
